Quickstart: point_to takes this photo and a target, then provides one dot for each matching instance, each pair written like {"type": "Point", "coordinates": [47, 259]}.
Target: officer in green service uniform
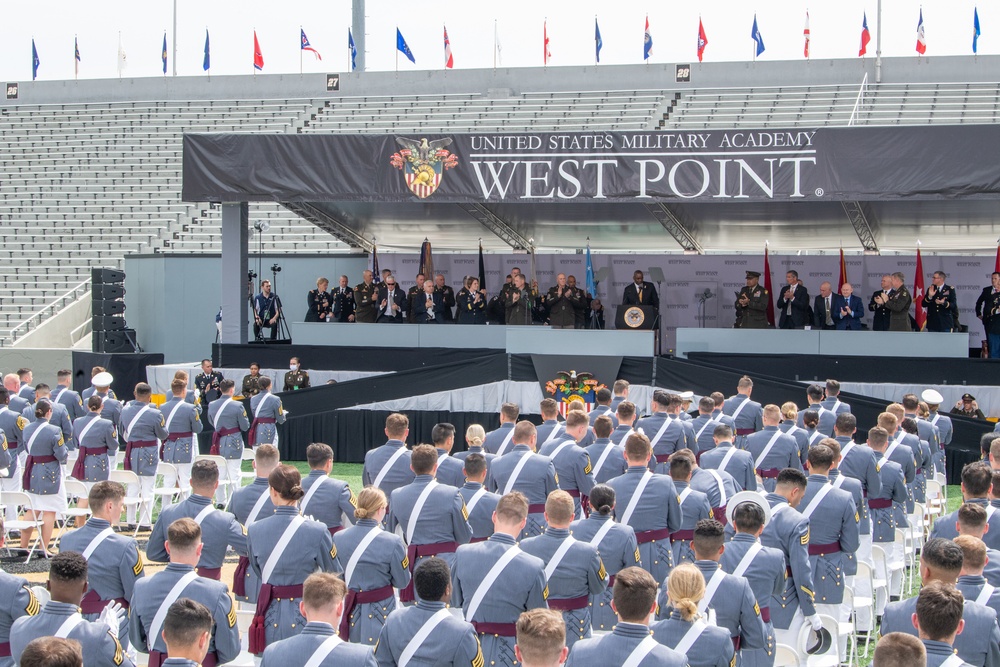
{"type": "Point", "coordinates": [295, 378]}
{"type": "Point", "coordinates": [250, 387]}
{"type": "Point", "coordinates": [751, 304]}
{"type": "Point", "coordinates": [364, 300]}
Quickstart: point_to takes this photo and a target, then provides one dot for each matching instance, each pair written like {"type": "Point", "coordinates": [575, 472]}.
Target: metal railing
{"type": "Point", "coordinates": [857, 102]}
{"type": "Point", "coordinates": [9, 336]}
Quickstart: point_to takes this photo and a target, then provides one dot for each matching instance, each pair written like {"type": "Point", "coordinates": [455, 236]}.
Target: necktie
{"type": "Point", "coordinates": [639, 290]}
{"type": "Point", "coordinates": [829, 318]}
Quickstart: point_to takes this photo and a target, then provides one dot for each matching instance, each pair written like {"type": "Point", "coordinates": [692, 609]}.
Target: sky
{"type": "Point", "coordinates": [835, 27]}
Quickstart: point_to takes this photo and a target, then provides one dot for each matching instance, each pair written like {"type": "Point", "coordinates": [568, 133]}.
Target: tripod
{"type": "Point", "coordinates": [283, 333]}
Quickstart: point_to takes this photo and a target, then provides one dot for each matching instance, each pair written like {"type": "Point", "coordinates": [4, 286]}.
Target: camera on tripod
{"type": "Point", "coordinates": [275, 268]}
{"type": "Point", "coordinates": [251, 274]}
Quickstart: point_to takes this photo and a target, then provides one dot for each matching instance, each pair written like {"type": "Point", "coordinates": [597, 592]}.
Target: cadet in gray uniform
{"type": "Point", "coordinates": [606, 458]}
{"type": "Point", "coordinates": [18, 601]}
{"type": "Point", "coordinates": [550, 429]}
{"type": "Point", "coordinates": [882, 505]}
{"type": "Point", "coordinates": [925, 430]}
{"type": "Point", "coordinates": [939, 614]}
{"type": "Point", "coordinates": [523, 470]}
{"type": "Point", "coordinates": [630, 643]}
{"type": "Point", "coordinates": [96, 442]}
{"type": "Point", "coordinates": [479, 503]}
{"type": "Point", "coordinates": [718, 486]}
{"type": "Point", "coordinates": [971, 582]}
{"type": "Point", "coordinates": [694, 506]}
{"type": "Point", "coordinates": [327, 500]}
{"type": "Point", "coordinates": [772, 450]}
{"type": "Point", "coordinates": [60, 617]}
{"type": "Point", "coordinates": [704, 426]}
{"type": "Point", "coordinates": [827, 418]}
{"type": "Point", "coordinates": [101, 387]}
{"type": "Point", "coordinates": [249, 504]}
{"type": "Point", "coordinates": [475, 436]}
{"type": "Point", "coordinates": [229, 420]}
{"type": "Point", "coordinates": [494, 582]}
{"type": "Point", "coordinates": [183, 424]}
{"type": "Point", "coordinates": [318, 644]}
{"type": "Point", "coordinates": [853, 487]}
{"type": "Point", "coordinates": [728, 458]}
{"type": "Point", "coordinates": [267, 414]}
{"type": "Point", "coordinates": [642, 498]}
{"type": "Point", "coordinates": [746, 414]}
{"type": "Point", "coordinates": [943, 423]}
{"type": "Point", "coordinates": [667, 433]}
{"type": "Point", "coordinates": [143, 429]}
{"type": "Point", "coordinates": [95, 387]}
{"type": "Point", "coordinates": [43, 475]}
{"type": "Point", "coordinates": [979, 643]}
{"type": "Point", "coordinates": [187, 632]}
{"type": "Point", "coordinates": [684, 631]}
{"type": "Point", "coordinates": [64, 395]}
{"type": "Point", "coordinates": [857, 461]}
{"type": "Point", "coordinates": [626, 419]}
{"type": "Point", "coordinates": [428, 633]}
{"type": "Point", "coordinates": [25, 389]}
{"type": "Point", "coordinates": [153, 596]}
{"type": "Point", "coordinates": [972, 521]}
{"type": "Point", "coordinates": [388, 466]}
{"type": "Point", "coordinates": [921, 456]}
{"type": "Point", "coordinates": [60, 415]}
{"type": "Point", "coordinates": [431, 516]}
{"type": "Point", "coordinates": [13, 425]}
{"type": "Point", "coordinates": [114, 563]}
{"type": "Point", "coordinates": [603, 408]}
{"type": "Point", "coordinates": [277, 615]}
{"type": "Point", "coordinates": [375, 562]}
{"type": "Point", "coordinates": [13, 385]}
{"type": "Point", "coordinates": [789, 412]}
{"type": "Point", "coordinates": [977, 481]}
{"type": "Point", "coordinates": [574, 570]}
{"type": "Point", "coordinates": [220, 530]}
{"type": "Point", "coordinates": [499, 441]}
{"type": "Point", "coordinates": [901, 451]}
{"type": "Point", "coordinates": [616, 544]}
{"type": "Point", "coordinates": [572, 465]}
{"type": "Point", "coordinates": [449, 470]}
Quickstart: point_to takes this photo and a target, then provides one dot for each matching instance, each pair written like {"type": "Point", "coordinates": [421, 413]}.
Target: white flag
{"type": "Point", "coordinates": [122, 62]}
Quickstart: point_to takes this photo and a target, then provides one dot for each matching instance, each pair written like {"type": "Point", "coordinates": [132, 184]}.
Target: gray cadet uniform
{"type": "Point", "coordinates": [607, 460]}
{"type": "Point", "coordinates": [183, 424]}
{"type": "Point", "coordinates": [627, 640]}
{"type": "Point", "coordinates": [218, 530]}
{"type": "Point", "coordinates": [60, 417]}
{"type": "Point", "coordinates": [938, 652]}
{"type": "Point", "coordinates": [91, 390]}
{"type": "Point", "coordinates": [452, 643]}
{"type": "Point", "coordinates": [267, 414]}
{"type": "Point", "coordinates": [704, 428]}
{"type": "Point", "coordinates": [694, 507]}
{"type": "Point", "coordinates": [833, 533]}
{"type": "Point", "coordinates": [433, 521]}
{"type": "Point", "coordinates": [788, 531]}
{"type": "Point", "coordinates": [332, 503]}
{"type": "Point", "coordinates": [706, 646]}
{"type": "Point", "coordinates": [573, 469]}
{"type": "Point", "coordinates": [97, 442]}
{"type": "Point", "coordinates": [535, 478]}
{"type": "Point", "coordinates": [229, 419]}
{"type": "Point", "coordinates": [517, 584]}
{"type": "Point", "coordinates": [27, 392]}
{"type": "Point", "coordinates": [18, 404]}
{"type": "Point", "coordinates": [973, 587]}
{"type": "Point", "coordinates": [620, 433]}
{"type": "Point", "coordinates": [945, 430]}
{"type": "Point", "coordinates": [734, 605]}
{"type": "Point", "coordinates": [480, 504]}
{"type": "Point", "coordinates": [747, 415]}
{"type": "Point", "coordinates": [281, 590]}
{"type": "Point", "coordinates": [18, 601]}
{"type": "Point", "coordinates": [114, 564]}
{"type": "Point", "coordinates": [496, 439]}
{"type": "Point", "coordinates": [653, 515]}
{"type": "Point", "coordinates": [723, 418]}
{"type": "Point", "coordinates": [100, 645]}
{"type": "Point", "coordinates": [801, 436]}
{"type": "Point", "coordinates": [370, 576]}
{"type": "Point", "coordinates": [46, 453]}
{"type": "Point", "coordinates": [70, 400]}
{"type": "Point", "coordinates": [836, 406]}
{"type": "Point", "coordinates": [718, 486]}
{"type": "Point", "coordinates": [827, 419]}
{"type": "Point", "coordinates": [603, 411]}
{"type": "Point", "coordinates": [249, 504]}
{"type": "Point", "coordinates": [461, 456]}
{"type": "Point", "coordinates": [575, 574]}
{"type": "Point", "coordinates": [299, 650]}
{"type": "Point", "coordinates": [945, 525]}
{"type": "Point", "coordinates": [772, 451]}
{"type": "Point", "coordinates": [13, 425]}
{"type": "Point", "coordinates": [144, 428]}
{"type": "Point", "coordinates": [738, 462]}
{"type": "Point", "coordinates": [764, 569]}
{"type": "Point", "coordinates": [546, 432]}
{"type": "Point", "coordinates": [859, 462]}
{"type": "Point", "coordinates": [111, 408]}
{"type": "Point", "coordinates": [450, 470]}
{"type": "Point", "coordinates": [892, 492]}
{"type": "Point", "coordinates": [387, 467]}
{"type": "Point", "coordinates": [979, 643]}
{"type": "Point", "coordinates": [853, 487]}
{"type": "Point", "coordinates": [152, 593]}
{"type": "Point", "coordinates": [925, 467]}
{"type": "Point", "coordinates": [667, 435]}
{"type": "Point", "coordinates": [618, 549]}
{"type": "Point", "coordinates": [903, 449]}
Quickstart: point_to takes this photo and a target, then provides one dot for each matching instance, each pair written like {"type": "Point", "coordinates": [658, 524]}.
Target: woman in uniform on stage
{"type": "Point", "coordinates": [320, 303]}
{"type": "Point", "coordinates": [471, 302]}
{"type": "Point", "coordinates": [685, 630]}
{"type": "Point", "coordinates": [43, 474]}
{"type": "Point", "coordinates": [374, 563]}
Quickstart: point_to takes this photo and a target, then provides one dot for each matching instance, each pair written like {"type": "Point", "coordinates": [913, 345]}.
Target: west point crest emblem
{"type": "Point", "coordinates": [566, 387]}
{"type": "Point", "coordinates": [423, 163]}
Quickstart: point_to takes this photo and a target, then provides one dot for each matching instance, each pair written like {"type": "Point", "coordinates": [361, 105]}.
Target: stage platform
{"type": "Point", "coordinates": [878, 344]}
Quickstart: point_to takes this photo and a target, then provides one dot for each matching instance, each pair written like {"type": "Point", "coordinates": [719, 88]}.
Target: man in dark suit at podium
{"type": "Point", "coordinates": [793, 302]}
{"type": "Point", "coordinates": [640, 293]}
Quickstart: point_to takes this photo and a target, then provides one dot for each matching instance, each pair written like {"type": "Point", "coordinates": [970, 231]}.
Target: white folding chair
{"type": "Point", "coordinates": [21, 499]}
{"type": "Point", "coordinates": [847, 628]}
{"type": "Point", "coordinates": [245, 658]}
{"type": "Point", "coordinates": [867, 573]}
{"type": "Point", "coordinates": [127, 478]}
{"type": "Point", "coordinates": [75, 490]}
{"type": "Point", "coordinates": [936, 502]}
{"type": "Point", "coordinates": [942, 479]}
{"type": "Point", "coordinates": [905, 537]}
{"type": "Point", "coordinates": [161, 492]}
{"type": "Point", "coordinates": [832, 657]}
{"type": "Point", "coordinates": [785, 656]}
{"type": "Point", "coordinates": [248, 455]}
{"type": "Point", "coordinates": [226, 484]}
{"type": "Point", "coordinates": [881, 571]}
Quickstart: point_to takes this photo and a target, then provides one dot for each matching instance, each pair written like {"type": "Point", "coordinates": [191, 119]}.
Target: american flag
{"type": "Point", "coordinates": [306, 46]}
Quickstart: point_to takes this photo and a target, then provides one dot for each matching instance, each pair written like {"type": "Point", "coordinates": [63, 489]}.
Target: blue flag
{"type": "Point", "coordinates": [401, 46]}
{"type": "Point", "coordinates": [975, 30]}
{"type": "Point", "coordinates": [353, 49]}
{"type": "Point", "coordinates": [598, 42]}
{"type": "Point", "coordinates": [591, 285]}
{"type": "Point", "coordinates": [208, 60]}
{"type": "Point", "coordinates": [755, 34]}
{"type": "Point", "coordinates": [35, 62]}
{"type": "Point", "coordinates": [163, 54]}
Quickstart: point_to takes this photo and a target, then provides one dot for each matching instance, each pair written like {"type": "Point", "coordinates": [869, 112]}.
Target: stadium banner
{"type": "Point", "coordinates": [711, 165]}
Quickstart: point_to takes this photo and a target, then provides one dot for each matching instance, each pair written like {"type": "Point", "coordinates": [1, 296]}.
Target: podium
{"type": "Point", "coordinates": [637, 317]}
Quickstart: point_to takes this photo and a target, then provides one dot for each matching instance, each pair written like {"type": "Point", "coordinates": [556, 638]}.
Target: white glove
{"type": "Point", "coordinates": [814, 621]}
{"type": "Point", "coordinates": [112, 615]}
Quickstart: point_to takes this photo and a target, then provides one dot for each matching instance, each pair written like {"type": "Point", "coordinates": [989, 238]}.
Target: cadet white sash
{"type": "Point", "coordinates": [739, 409]}
{"type": "Point", "coordinates": [845, 449]}
{"type": "Point", "coordinates": [161, 613]}
{"type": "Point", "coordinates": [218, 414]}
{"type": "Point", "coordinates": [552, 435]}
{"type": "Point", "coordinates": [20, 392]}
{"type": "Point", "coordinates": [509, 486]}
{"type": "Point", "coordinates": [721, 485]}
{"type": "Point", "coordinates": [814, 437]}
{"type": "Point", "coordinates": [172, 413]}
{"type": "Point", "coordinates": [605, 528]}
{"type": "Point", "coordinates": [633, 502]}
{"type": "Point", "coordinates": [388, 465]}
{"type": "Point", "coordinates": [489, 579]}
{"type": "Point", "coordinates": [86, 429]}
{"type": "Point", "coordinates": [889, 451]}
{"type": "Point", "coordinates": [985, 594]}
{"type": "Point", "coordinates": [558, 556]}
{"type": "Point", "coordinates": [260, 406]}
{"type": "Point", "coordinates": [640, 652]}
{"type": "Point", "coordinates": [711, 589]}
{"type": "Point", "coordinates": [310, 493]}
{"type": "Point", "coordinates": [31, 440]}
{"type": "Point", "coordinates": [96, 542]}
{"type": "Point", "coordinates": [474, 500]}
{"type": "Point", "coordinates": [953, 660]}
{"type": "Point", "coordinates": [323, 650]}
{"type": "Point", "coordinates": [423, 633]}
{"type": "Point", "coordinates": [663, 429]}
{"type": "Point", "coordinates": [602, 458]}
{"type": "Point", "coordinates": [836, 405]}
{"type": "Point", "coordinates": [506, 441]}
{"type": "Point", "coordinates": [838, 482]}
{"type": "Point", "coordinates": [68, 626]}
{"type": "Point", "coordinates": [203, 514]}
{"type": "Point", "coordinates": [767, 448]}
{"type": "Point", "coordinates": [989, 512]}
{"type": "Point", "coordinates": [624, 436]}
{"type": "Point", "coordinates": [817, 499]}
{"type": "Point", "coordinates": [279, 548]}
{"type": "Point", "coordinates": [936, 418]}
{"type": "Point", "coordinates": [359, 551]}
{"type": "Point", "coordinates": [683, 496]}
{"type": "Point", "coordinates": [702, 429]}
{"type": "Point", "coordinates": [728, 457]}
{"type": "Point", "coordinates": [777, 509]}
{"type": "Point", "coordinates": [135, 420]}
{"type": "Point", "coordinates": [411, 524]}
{"type": "Point", "coordinates": [258, 506]}
{"type": "Point", "coordinates": [562, 445]}
{"type": "Point", "coordinates": [691, 636]}
{"type": "Point", "coordinates": [747, 559]}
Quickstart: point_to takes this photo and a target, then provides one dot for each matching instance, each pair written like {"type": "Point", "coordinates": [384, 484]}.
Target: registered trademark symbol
{"type": "Point", "coordinates": [819, 192]}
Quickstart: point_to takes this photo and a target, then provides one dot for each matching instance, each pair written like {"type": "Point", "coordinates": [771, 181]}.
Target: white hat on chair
{"type": "Point", "coordinates": [748, 497]}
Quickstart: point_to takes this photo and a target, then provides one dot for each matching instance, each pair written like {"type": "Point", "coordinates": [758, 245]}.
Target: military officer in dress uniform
{"type": "Point", "coordinates": [941, 561]}
{"type": "Point", "coordinates": [877, 305]}
{"type": "Point", "coordinates": [771, 449]}
{"type": "Point", "coordinates": [694, 506]}
{"type": "Point", "coordinates": [521, 469]}
{"type": "Point", "coordinates": [332, 502]}
{"type": "Point", "coordinates": [747, 415]}
{"type": "Point", "coordinates": [251, 382]}
{"type": "Point", "coordinates": [562, 304]}
{"type": "Point", "coordinates": [154, 595]}
{"type": "Point", "coordinates": [388, 466]}
{"type": "Point", "coordinates": [219, 529]}
{"type": "Point", "coordinates": [449, 469]}
{"type": "Point", "coordinates": [939, 301]}
{"type": "Point", "coordinates": [65, 396]}
{"type": "Point", "coordinates": [183, 424]}
{"type": "Point", "coordinates": [207, 382]}
{"type": "Point", "coordinates": [60, 617]}
{"type": "Point", "coordinates": [114, 563]}
{"type": "Point", "coordinates": [229, 421]}
{"type": "Point", "coordinates": [751, 304]}
{"type": "Point", "coordinates": [365, 293]}
{"type": "Point", "coordinates": [60, 415]}
{"type": "Point", "coordinates": [18, 601]}
{"type": "Point", "coordinates": [479, 502]}
{"type": "Point", "coordinates": [13, 425]}
{"type": "Point", "coordinates": [574, 569]}
{"type": "Point", "coordinates": [343, 302]}
{"type": "Point", "coordinates": [412, 295]}
{"type": "Point", "coordinates": [607, 458]}
{"type": "Point", "coordinates": [519, 302]}
{"type": "Point", "coordinates": [898, 303]}
{"type": "Point", "coordinates": [726, 457]}
{"type": "Point", "coordinates": [572, 464]}
{"type": "Point", "coordinates": [143, 429]}
{"type": "Point", "coordinates": [971, 582]}
{"type": "Point", "coordinates": [318, 644]}
{"type": "Point", "coordinates": [248, 504]}
{"type": "Point", "coordinates": [977, 482]}
{"type": "Point", "coordinates": [494, 581]}
{"type": "Point", "coordinates": [499, 441]}
{"type": "Point", "coordinates": [296, 378]}
{"type": "Point", "coordinates": [187, 632]}
{"type": "Point", "coordinates": [642, 498]}
{"type": "Point", "coordinates": [447, 295]}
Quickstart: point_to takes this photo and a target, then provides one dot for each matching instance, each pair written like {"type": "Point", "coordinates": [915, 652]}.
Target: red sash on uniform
{"type": "Point", "coordinates": [662, 458]}
{"type": "Point", "coordinates": [720, 515]}
{"type": "Point", "coordinates": [210, 572]}
{"type": "Point", "coordinates": [538, 508]}
{"type": "Point", "coordinates": [335, 530]}
{"type": "Point", "coordinates": [135, 444]}
{"type": "Point", "coordinates": [5, 650]}
{"type": "Point", "coordinates": [252, 434]}
{"type": "Point", "coordinates": [353, 599]}
{"type": "Point", "coordinates": [765, 614]}
{"type": "Point", "coordinates": [646, 536]}
{"type": "Point", "coordinates": [93, 604]}
{"type": "Point", "coordinates": [823, 549]}
{"type": "Point", "coordinates": [584, 500]}
{"type": "Point", "coordinates": [745, 431]}
{"type": "Point", "coordinates": [217, 437]}
{"type": "Point", "coordinates": [415, 551]}
{"type": "Point", "coordinates": [768, 473]}
{"type": "Point", "coordinates": [257, 639]}
{"type": "Point", "coordinates": [240, 577]}
{"type": "Point", "coordinates": [499, 629]}
{"type": "Point", "coordinates": [682, 535]}
{"type": "Point", "coordinates": [879, 503]}
{"type": "Point", "coordinates": [570, 604]}
{"type": "Point", "coordinates": [29, 464]}
{"type": "Point", "coordinates": [611, 581]}
{"type": "Point", "coordinates": [156, 659]}
{"type": "Point", "coordinates": [79, 468]}
{"type": "Point", "coordinates": [476, 540]}
{"type": "Point", "coordinates": [173, 437]}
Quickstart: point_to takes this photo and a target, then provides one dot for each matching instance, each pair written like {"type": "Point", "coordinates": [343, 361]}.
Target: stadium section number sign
{"type": "Point", "coordinates": [11, 91]}
{"type": "Point", "coordinates": [682, 74]}
{"type": "Point", "coordinates": [332, 83]}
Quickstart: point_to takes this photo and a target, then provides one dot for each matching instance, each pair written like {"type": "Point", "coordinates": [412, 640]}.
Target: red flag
{"type": "Point", "coordinates": [921, 35]}
{"type": "Point", "coordinates": [865, 35]}
{"type": "Point", "coordinates": [805, 33]}
{"type": "Point", "coordinates": [767, 288]}
{"type": "Point", "coordinates": [545, 35]}
{"type": "Point", "coordinates": [702, 40]}
{"type": "Point", "coordinates": [843, 271]}
{"type": "Point", "coordinates": [449, 60]}
{"type": "Point", "coordinates": [996, 267]}
{"type": "Point", "coordinates": [918, 293]}
{"type": "Point", "coordinates": [258, 57]}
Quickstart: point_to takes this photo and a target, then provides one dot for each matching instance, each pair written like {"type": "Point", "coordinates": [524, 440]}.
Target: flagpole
{"type": "Point", "coordinates": [174, 36]}
{"type": "Point", "coordinates": [878, 46]}
{"type": "Point", "coordinates": [595, 41]}
{"type": "Point", "coordinates": [494, 45]}
{"type": "Point", "coordinates": [300, 51]}
{"type": "Point", "coordinates": [76, 63]}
